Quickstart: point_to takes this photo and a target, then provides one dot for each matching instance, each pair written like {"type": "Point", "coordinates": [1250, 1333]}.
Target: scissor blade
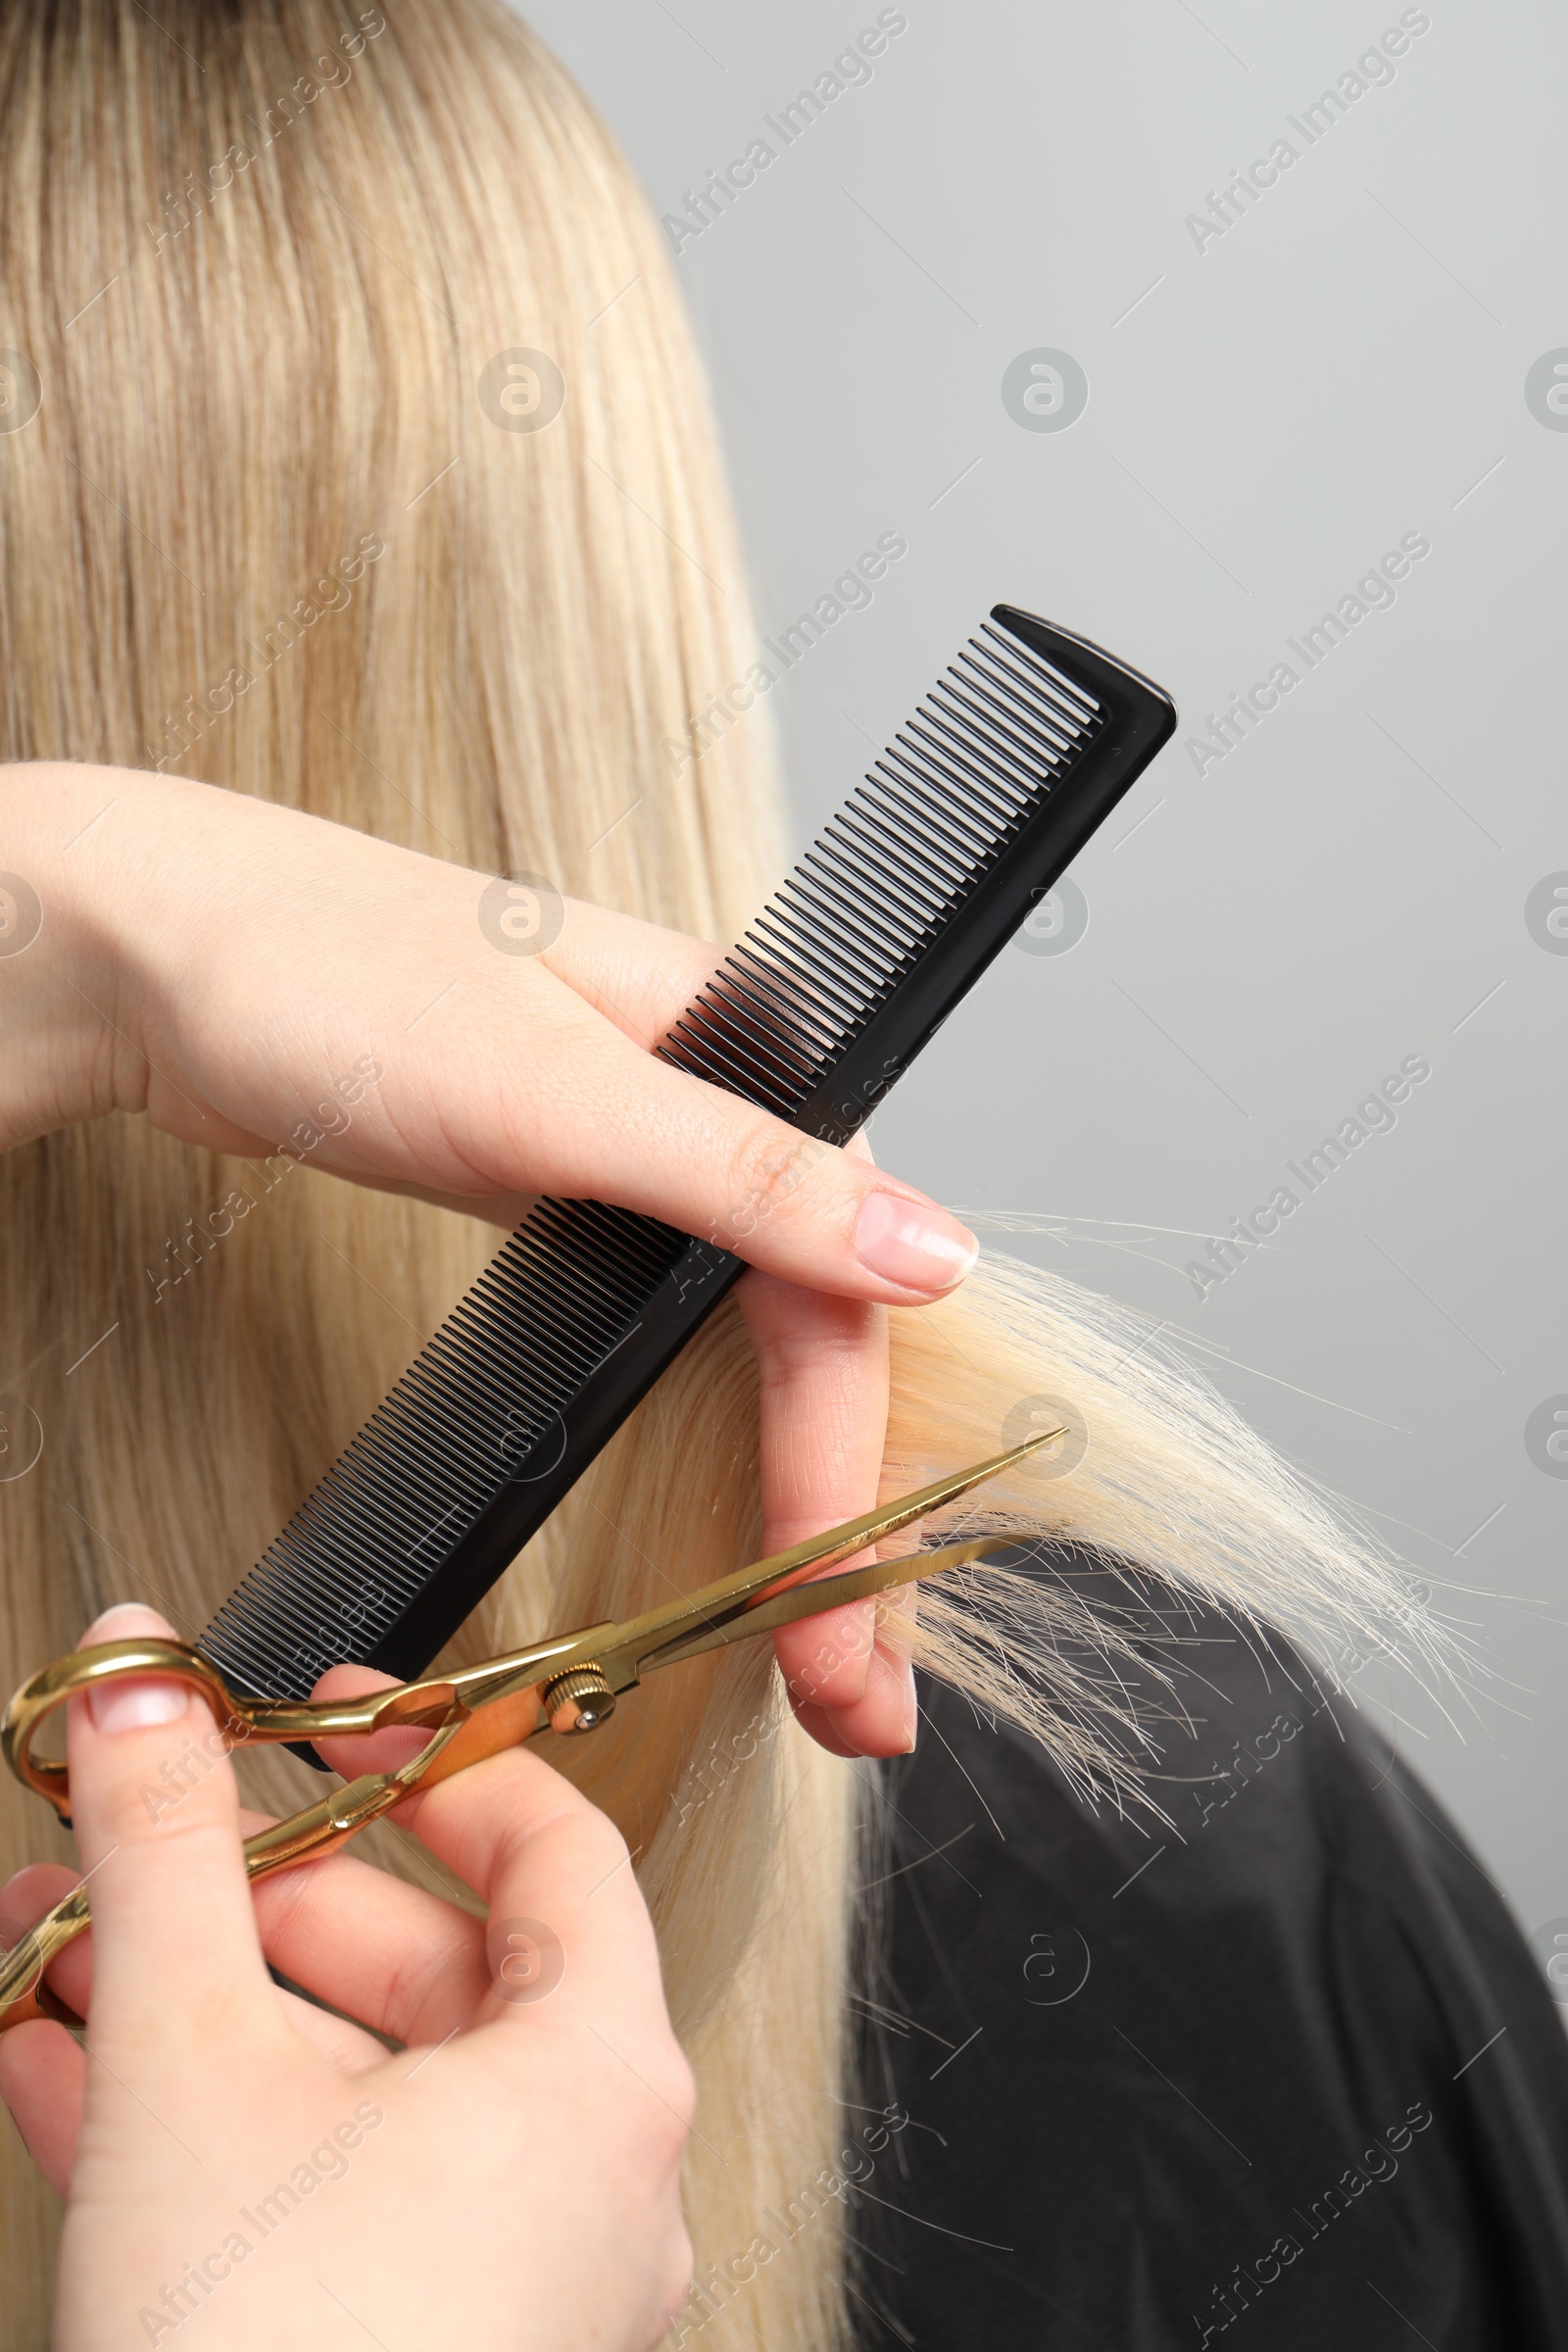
{"type": "Point", "coordinates": [713, 1605]}
{"type": "Point", "coordinates": [828, 1593]}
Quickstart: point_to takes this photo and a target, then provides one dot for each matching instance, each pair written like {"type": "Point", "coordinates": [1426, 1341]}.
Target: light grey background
{"type": "Point", "coordinates": [1266, 416]}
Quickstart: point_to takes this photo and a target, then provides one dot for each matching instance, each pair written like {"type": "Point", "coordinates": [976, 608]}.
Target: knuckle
{"type": "Point", "coordinates": [420, 1985]}
{"type": "Point", "coordinates": [680, 2086]}
{"type": "Point", "coordinates": [155, 1808]}
{"type": "Point", "coordinates": [767, 1168]}
{"type": "Point", "coordinates": [677, 2098]}
{"type": "Point", "coordinates": [665, 2116]}
{"type": "Point", "coordinates": [604, 1848]}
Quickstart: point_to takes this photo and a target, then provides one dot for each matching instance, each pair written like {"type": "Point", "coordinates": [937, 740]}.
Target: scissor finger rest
{"type": "Point", "coordinates": [423, 1705]}
{"type": "Point", "coordinates": [81, 1671]}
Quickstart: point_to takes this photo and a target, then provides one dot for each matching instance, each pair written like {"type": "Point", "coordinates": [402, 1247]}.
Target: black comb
{"type": "Point", "coordinates": [1026, 745]}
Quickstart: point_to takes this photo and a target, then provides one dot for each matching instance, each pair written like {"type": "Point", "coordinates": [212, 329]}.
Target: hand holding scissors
{"type": "Point", "coordinates": [568, 1684]}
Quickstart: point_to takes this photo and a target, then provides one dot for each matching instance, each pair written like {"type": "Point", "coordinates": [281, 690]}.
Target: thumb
{"type": "Point", "coordinates": [156, 1813]}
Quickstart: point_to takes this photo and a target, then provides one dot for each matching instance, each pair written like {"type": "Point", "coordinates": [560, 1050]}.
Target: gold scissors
{"type": "Point", "coordinates": [568, 1684]}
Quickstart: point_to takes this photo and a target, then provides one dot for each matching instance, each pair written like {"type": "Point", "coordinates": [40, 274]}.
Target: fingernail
{"type": "Point", "coordinates": [912, 1243]}
{"type": "Point", "coordinates": [137, 1705]}
{"type": "Point", "coordinates": [108, 1625]}
{"type": "Point", "coordinates": [911, 1707]}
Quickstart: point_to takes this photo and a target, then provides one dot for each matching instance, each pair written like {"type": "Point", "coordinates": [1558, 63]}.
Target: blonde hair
{"type": "Point", "coordinates": [252, 372]}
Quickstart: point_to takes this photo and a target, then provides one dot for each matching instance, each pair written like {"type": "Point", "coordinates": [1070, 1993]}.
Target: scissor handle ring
{"type": "Point", "coordinates": [81, 1670]}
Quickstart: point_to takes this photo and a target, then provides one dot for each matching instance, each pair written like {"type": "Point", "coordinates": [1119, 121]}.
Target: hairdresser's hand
{"type": "Point", "coordinates": [255, 980]}
{"type": "Point", "coordinates": [509, 2182]}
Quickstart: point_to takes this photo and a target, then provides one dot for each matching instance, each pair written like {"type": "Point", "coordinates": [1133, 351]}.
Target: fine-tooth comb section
{"type": "Point", "coordinates": [944, 803]}
{"type": "Point", "coordinates": [971, 812]}
{"type": "Point", "coordinates": [483, 1398]}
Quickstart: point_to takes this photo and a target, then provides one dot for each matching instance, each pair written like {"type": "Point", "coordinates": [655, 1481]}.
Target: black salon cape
{"type": "Point", "coordinates": [1167, 2088]}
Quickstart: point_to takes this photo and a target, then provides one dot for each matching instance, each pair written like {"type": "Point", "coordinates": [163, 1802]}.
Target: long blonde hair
{"type": "Point", "coordinates": [259, 254]}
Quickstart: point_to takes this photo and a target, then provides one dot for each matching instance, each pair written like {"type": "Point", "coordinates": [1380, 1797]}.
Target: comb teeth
{"type": "Point", "coordinates": [892, 913]}
{"type": "Point", "coordinates": [938, 809]}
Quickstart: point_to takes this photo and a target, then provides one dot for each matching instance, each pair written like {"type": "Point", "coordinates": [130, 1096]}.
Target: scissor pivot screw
{"type": "Point", "coordinates": [580, 1701]}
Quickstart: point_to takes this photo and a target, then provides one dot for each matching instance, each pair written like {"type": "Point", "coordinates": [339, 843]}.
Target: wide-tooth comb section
{"type": "Point", "coordinates": [897, 908]}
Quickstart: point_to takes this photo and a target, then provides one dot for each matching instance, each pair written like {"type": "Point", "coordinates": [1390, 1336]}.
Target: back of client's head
{"type": "Point", "coordinates": [286, 522]}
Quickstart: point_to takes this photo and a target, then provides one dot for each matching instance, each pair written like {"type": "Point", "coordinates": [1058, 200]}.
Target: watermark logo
{"type": "Point", "coordinates": [1045, 390]}
{"type": "Point", "coordinates": [1374, 2165]}
{"type": "Point", "coordinates": [1240, 716]}
{"type": "Point", "coordinates": [715, 2285]}
{"type": "Point", "coordinates": [1546, 390]}
{"type": "Point", "coordinates": [1550, 1947]}
{"type": "Point", "coordinates": [1373, 70]}
{"type": "Point", "coordinates": [527, 1960]}
{"type": "Point", "coordinates": [1546, 1437]}
{"type": "Point", "coordinates": [714, 1771]}
{"type": "Point", "coordinates": [521, 390]}
{"type": "Point", "coordinates": [1375, 1115]}
{"type": "Point", "coordinates": [521, 914]}
{"type": "Point", "coordinates": [1034, 1414]}
{"type": "Point", "coordinates": [195, 2285]}
{"type": "Point", "coordinates": [533, 1448]}
{"type": "Point", "coordinates": [1056, 1968]}
{"type": "Point", "coordinates": [184, 206]}
{"type": "Point", "coordinates": [851, 70]}
{"type": "Point", "coordinates": [1545, 913]}
{"type": "Point", "coordinates": [20, 914]}
{"type": "Point", "coordinates": [778, 1171]}
{"type": "Point", "coordinates": [191, 1767]}
{"type": "Point", "coordinates": [21, 391]}
{"type": "Point", "coordinates": [189, 1250]}
{"type": "Point", "coordinates": [20, 1438]}
{"type": "Point", "coordinates": [332, 592]}
{"type": "Point", "coordinates": [1057, 921]}
{"type": "Point", "coordinates": [851, 592]}
{"type": "Point", "coordinates": [1243, 1766]}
